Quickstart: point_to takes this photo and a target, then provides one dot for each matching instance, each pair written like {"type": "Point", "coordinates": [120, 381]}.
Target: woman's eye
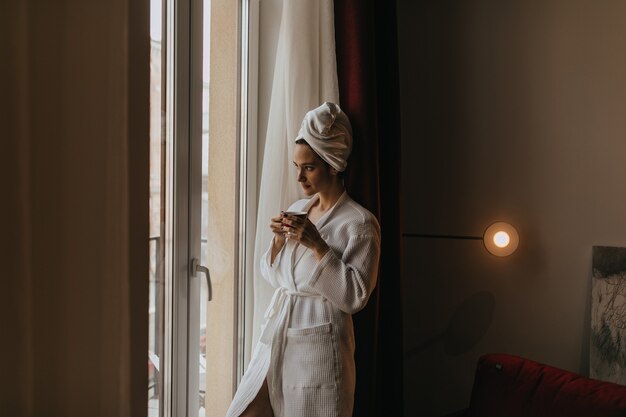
{"type": "Point", "coordinates": [309, 168]}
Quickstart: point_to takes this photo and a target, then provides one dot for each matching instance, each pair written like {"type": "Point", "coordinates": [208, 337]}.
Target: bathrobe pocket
{"type": "Point", "coordinates": [309, 372]}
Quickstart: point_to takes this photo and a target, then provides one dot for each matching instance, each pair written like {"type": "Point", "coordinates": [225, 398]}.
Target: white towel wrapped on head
{"type": "Point", "coordinates": [328, 131]}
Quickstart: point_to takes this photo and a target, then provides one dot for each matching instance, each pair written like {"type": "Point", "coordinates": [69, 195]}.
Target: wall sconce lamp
{"type": "Point", "coordinates": [500, 238]}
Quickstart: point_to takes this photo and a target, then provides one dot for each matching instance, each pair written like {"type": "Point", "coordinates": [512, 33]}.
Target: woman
{"type": "Point", "coordinates": [324, 268]}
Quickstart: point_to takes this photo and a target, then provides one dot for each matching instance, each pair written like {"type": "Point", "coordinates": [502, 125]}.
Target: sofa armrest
{"type": "Point", "coordinates": [506, 385]}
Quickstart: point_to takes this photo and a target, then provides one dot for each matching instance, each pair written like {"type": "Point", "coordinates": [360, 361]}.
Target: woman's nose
{"type": "Point", "coordinates": [301, 177]}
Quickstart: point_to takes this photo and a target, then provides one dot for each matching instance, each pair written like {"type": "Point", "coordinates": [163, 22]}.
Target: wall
{"type": "Point", "coordinates": [223, 191]}
{"type": "Point", "coordinates": [511, 111]}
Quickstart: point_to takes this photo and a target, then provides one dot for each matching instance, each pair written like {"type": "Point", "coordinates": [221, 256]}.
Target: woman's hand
{"type": "Point", "coordinates": [276, 226]}
{"type": "Point", "coordinates": [303, 231]}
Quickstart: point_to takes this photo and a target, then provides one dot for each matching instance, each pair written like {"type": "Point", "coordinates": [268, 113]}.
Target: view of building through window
{"type": "Point", "coordinates": [156, 242]}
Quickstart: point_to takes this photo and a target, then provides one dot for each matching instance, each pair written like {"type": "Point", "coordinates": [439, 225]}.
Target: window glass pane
{"type": "Point", "coordinates": [157, 214]}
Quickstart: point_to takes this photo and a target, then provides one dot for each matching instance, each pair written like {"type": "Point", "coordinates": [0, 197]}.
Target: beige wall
{"type": "Point", "coordinates": [223, 194]}
{"type": "Point", "coordinates": [511, 111]}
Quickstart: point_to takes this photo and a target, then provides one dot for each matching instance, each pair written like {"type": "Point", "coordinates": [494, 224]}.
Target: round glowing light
{"type": "Point", "coordinates": [501, 239]}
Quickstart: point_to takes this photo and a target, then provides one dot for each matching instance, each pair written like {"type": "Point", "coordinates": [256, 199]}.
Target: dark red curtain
{"type": "Point", "coordinates": [367, 65]}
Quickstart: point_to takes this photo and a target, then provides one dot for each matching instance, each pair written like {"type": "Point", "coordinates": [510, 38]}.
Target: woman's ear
{"type": "Point", "coordinates": [333, 171]}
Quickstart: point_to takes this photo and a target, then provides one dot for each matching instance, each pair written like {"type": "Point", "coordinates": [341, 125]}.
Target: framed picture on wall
{"type": "Point", "coordinates": [608, 315]}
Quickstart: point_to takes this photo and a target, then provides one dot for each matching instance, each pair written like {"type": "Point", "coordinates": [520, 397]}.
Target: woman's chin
{"type": "Point", "coordinates": [308, 191]}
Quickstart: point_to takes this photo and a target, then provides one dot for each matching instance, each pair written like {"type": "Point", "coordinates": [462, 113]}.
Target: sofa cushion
{"type": "Point", "coordinates": [511, 386]}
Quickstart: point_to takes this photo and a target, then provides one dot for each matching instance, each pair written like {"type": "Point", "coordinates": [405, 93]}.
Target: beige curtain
{"type": "Point", "coordinates": [74, 80]}
{"type": "Point", "coordinates": [305, 75]}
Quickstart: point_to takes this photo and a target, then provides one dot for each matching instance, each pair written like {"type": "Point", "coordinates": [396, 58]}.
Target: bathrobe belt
{"type": "Point", "coordinates": [279, 310]}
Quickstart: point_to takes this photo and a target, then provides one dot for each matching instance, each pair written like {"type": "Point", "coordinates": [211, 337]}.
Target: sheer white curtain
{"type": "Point", "coordinates": [305, 75]}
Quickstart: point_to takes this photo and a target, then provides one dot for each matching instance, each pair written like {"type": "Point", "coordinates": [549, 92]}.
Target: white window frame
{"type": "Point", "coordinates": [184, 131]}
{"type": "Point", "coordinates": [248, 198]}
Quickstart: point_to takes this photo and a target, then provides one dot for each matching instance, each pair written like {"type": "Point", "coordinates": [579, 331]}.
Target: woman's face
{"type": "Point", "coordinates": [313, 174]}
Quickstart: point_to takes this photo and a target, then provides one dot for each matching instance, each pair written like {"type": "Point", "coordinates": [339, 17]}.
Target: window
{"type": "Point", "coordinates": [195, 199]}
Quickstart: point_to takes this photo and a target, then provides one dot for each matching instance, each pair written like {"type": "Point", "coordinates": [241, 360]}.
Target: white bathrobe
{"type": "Point", "coordinates": [306, 348]}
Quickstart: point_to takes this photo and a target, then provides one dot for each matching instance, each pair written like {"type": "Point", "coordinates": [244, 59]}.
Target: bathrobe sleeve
{"type": "Point", "coordinates": [270, 270]}
{"type": "Point", "coordinates": [348, 278]}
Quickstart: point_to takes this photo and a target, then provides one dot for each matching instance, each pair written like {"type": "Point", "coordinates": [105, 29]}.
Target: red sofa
{"type": "Point", "coordinates": [510, 386]}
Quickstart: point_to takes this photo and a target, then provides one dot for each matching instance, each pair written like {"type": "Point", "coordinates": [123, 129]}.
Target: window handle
{"type": "Point", "coordinates": [195, 268]}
